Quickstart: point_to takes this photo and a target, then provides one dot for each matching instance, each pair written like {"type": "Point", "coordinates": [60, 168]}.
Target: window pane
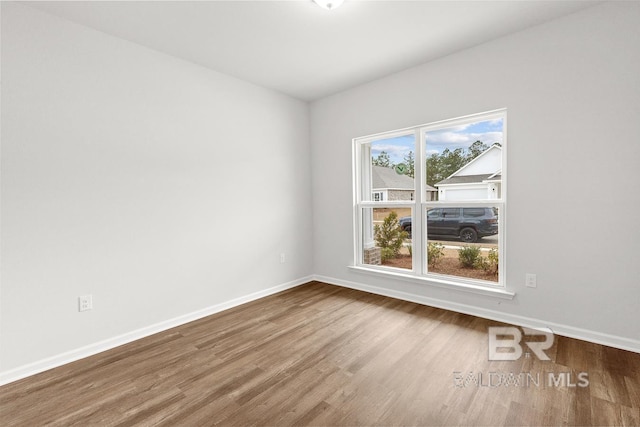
{"type": "Point", "coordinates": [464, 162]}
{"type": "Point", "coordinates": [464, 244]}
{"type": "Point", "coordinates": [388, 169]}
{"type": "Point", "coordinates": [386, 237]}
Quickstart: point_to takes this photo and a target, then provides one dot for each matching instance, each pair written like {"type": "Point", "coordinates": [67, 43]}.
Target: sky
{"type": "Point", "coordinates": [462, 136]}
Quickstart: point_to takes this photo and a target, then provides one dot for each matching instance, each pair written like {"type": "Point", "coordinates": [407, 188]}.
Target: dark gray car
{"type": "Point", "coordinates": [468, 224]}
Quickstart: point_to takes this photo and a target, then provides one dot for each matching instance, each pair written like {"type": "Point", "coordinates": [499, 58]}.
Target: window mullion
{"type": "Point", "coordinates": [419, 236]}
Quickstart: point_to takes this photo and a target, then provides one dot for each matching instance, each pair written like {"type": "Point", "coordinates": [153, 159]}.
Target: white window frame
{"type": "Point", "coordinates": [419, 205]}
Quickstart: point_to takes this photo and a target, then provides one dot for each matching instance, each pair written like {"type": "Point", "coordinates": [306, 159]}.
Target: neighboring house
{"type": "Point", "coordinates": [387, 184]}
{"type": "Point", "coordinates": [479, 179]}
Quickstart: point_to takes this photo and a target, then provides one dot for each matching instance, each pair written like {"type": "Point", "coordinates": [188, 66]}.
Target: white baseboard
{"type": "Point", "coordinates": [92, 349]}
{"type": "Point", "coordinates": [98, 347]}
{"type": "Point", "coordinates": [558, 329]}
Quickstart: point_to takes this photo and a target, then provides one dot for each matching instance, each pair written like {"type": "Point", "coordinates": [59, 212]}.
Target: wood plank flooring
{"type": "Point", "coordinates": [324, 355]}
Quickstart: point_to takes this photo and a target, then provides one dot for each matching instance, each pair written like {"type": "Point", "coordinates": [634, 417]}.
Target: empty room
{"type": "Point", "coordinates": [319, 213]}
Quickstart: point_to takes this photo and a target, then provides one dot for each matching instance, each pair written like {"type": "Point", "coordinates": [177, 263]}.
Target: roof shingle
{"type": "Point", "coordinates": [383, 177]}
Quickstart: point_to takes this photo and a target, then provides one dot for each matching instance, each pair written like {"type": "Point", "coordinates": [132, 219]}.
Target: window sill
{"type": "Point", "coordinates": [440, 283]}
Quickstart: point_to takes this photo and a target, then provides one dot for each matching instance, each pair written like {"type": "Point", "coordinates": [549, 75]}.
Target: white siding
{"type": "Point", "coordinates": [489, 162]}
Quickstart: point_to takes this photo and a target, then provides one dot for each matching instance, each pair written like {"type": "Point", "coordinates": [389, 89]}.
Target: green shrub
{"type": "Point", "coordinates": [434, 253]}
{"type": "Point", "coordinates": [481, 263]}
{"type": "Point", "coordinates": [488, 264]}
{"type": "Point", "coordinates": [492, 260]}
{"type": "Point", "coordinates": [389, 236]}
{"type": "Point", "coordinates": [468, 256]}
{"type": "Point", "coordinates": [386, 254]}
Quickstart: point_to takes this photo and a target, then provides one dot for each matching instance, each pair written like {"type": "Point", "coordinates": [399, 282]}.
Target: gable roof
{"type": "Point", "coordinates": [478, 159]}
{"type": "Point", "coordinates": [496, 177]}
{"type": "Point", "coordinates": [461, 176]}
{"type": "Point", "coordinates": [383, 177]}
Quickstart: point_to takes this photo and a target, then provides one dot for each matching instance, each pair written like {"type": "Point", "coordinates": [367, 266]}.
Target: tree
{"type": "Point", "coordinates": [383, 159]}
{"type": "Point", "coordinates": [409, 160]}
{"type": "Point", "coordinates": [389, 236]}
{"type": "Point", "coordinates": [441, 165]}
{"type": "Point", "coordinates": [476, 149]}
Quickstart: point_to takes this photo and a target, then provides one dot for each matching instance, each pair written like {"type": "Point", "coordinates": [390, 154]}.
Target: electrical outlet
{"type": "Point", "coordinates": [283, 258]}
{"type": "Point", "coordinates": [85, 303]}
{"type": "Point", "coordinates": [531, 280]}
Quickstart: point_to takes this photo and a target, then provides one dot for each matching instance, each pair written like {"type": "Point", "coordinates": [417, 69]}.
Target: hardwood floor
{"type": "Point", "coordinates": [324, 355]}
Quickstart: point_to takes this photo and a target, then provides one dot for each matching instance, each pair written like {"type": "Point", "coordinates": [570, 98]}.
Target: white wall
{"type": "Point", "coordinates": [572, 90]}
{"type": "Point", "coordinates": [137, 178]}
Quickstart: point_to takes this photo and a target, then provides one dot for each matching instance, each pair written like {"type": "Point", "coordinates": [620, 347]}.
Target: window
{"type": "Point", "coordinates": [434, 213]}
{"type": "Point", "coordinates": [473, 212]}
{"type": "Point", "coordinates": [442, 217]}
{"type": "Point", "coordinates": [451, 213]}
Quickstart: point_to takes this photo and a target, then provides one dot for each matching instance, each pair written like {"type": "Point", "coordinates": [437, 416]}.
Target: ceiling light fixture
{"type": "Point", "coordinates": [329, 4]}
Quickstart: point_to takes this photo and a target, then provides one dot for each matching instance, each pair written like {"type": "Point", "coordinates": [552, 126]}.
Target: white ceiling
{"type": "Point", "coordinates": [296, 47]}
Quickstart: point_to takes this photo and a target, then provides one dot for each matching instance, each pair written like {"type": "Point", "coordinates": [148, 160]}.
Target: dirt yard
{"type": "Point", "coordinates": [448, 265]}
{"type": "Point", "coordinates": [379, 214]}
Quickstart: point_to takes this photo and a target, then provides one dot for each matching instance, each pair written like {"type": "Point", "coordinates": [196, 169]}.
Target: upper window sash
{"type": "Point", "coordinates": [466, 120]}
{"type": "Point", "coordinates": [384, 166]}
{"type": "Point", "coordinates": [477, 180]}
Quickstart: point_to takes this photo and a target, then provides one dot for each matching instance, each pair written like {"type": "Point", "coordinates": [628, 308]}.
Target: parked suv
{"type": "Point", "coordinates": [469, 224]}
